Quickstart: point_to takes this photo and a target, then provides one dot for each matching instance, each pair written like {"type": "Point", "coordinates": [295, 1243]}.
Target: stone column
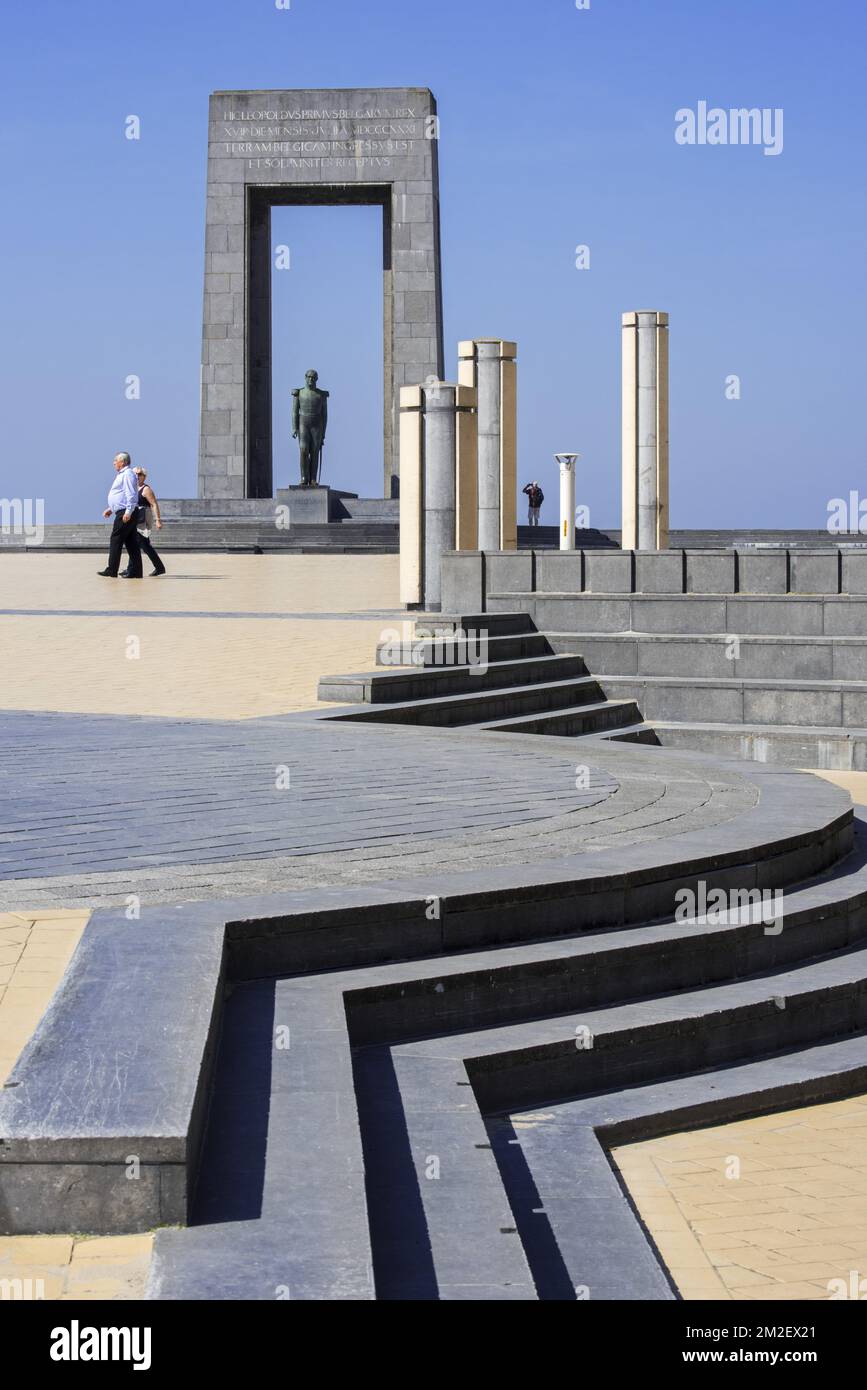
{"type": "Point", "coordinates": [437, 497]}
{"type": "Point", "coordinates": [645, 430]}
{"type": "Point", "coordinates": [488, 364]}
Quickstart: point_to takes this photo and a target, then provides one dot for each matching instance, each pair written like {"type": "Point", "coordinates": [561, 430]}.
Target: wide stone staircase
{"type": "Point", "coordinates": [488, 672]}
{"type": "Point", "coordinates": [747, 687]}
{"type": "Point", "coordinates": [757, 652]}
{"type": "Point", "coordinates": [443, 1133]}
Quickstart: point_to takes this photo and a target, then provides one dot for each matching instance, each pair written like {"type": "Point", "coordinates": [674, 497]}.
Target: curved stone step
{"type": "Point", "coordinates": [605, 1049]}
{"type": "Point", "coordinates": [512, 983]}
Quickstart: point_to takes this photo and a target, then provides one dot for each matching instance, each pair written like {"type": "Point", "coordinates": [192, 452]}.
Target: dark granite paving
{"type": "Point", "coordinates": [95, 808]}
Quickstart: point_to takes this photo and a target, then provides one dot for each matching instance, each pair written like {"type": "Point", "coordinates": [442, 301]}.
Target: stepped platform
{"type": "Point", "coordinates": [773, 640]}
{"type": "Point", "coordinates": [460, 1032]}
{"type": "Point", "coordinates": [468, 938]}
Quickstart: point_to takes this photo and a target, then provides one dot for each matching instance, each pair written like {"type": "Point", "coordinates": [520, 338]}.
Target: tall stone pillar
{"type": "Point", "coordinates": [645, 430]}
{"type": "Point", "coordinates": [488, 364]}
{"type": "Point", "coordinates": [438, 505]}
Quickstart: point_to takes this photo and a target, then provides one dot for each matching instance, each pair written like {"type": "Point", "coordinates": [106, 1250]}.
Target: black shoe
{"type": "Point", "coordinates": [108, 574]}
{"type": "Point", "coordinates": [124, 575]}
{"type": "Point", "coordinates": [156, 573]}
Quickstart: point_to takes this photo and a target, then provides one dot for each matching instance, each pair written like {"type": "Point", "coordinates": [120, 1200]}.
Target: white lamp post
{"type": "Point", "coordinates": [567, 499]}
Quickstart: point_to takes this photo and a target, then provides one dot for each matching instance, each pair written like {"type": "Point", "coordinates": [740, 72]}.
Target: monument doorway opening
{"type": "Point", "coordinates": [327, 314]}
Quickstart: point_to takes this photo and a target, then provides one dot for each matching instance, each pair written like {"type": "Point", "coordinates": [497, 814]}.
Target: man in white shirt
{"type": "Point", "coordinates": [123, 506]}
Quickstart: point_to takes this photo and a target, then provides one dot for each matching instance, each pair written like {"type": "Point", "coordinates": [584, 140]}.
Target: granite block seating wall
{"type": "Point", "coordinates": [752, 653]}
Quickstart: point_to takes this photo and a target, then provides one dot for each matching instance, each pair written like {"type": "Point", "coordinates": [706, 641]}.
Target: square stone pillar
{"type": "Point", "coordinates": [645, 430]}
{"type": "Point", "coordinates": [437, 495]}
{"type": "Point", "coordinates": [488, 365]}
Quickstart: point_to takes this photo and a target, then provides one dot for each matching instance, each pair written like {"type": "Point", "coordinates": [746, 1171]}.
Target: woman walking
{"type": "Point", "coordinates": [149, 511]}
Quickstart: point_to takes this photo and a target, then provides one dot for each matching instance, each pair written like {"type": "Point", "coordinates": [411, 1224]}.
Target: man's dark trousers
{"type": "Point", "coordinates": [124, 533]}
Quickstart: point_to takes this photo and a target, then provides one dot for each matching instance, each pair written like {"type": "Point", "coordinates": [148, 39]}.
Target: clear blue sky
{"type": "Point", "coordinates": [557, 129]}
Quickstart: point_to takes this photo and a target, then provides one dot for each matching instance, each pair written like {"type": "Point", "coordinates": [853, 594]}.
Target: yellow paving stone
{"type": "Point", "coordinates": [792, 1224]}
{"type": "Point", "coordinates": [698, 1283]}
{"type": "Point", "coordinates": [725, 1255]}
{"type": "Point", "coordinates": [50, 950]}
{"type": "Point", "coordinates": [51, 914]}
{"type": "Point", "coordinates": [817, 1188]}
{"type": "Point", "coordinates": [207, 583]}
{"type": "Point", "coordinates": [66, 1267]}
{"type": "Point", "coordinates": [51, 931]}
{"type": "Point", "coordinates": [37, 1285]}
{"type": "Point", "coordinates": [744, 1203]}
{"type": "Point", "coordinates": [720, 1225]}
{"type": "Point", "coordinates": [777, 1184]}
{"type": "Point", "coordinates": [685, 1166]}
{"type": "Point", "coordinates": [214, 667]}
{"type": "Point", "coordinates": [856, 1234]}
{"type": "Point", "coordinates": [17, 1015]}
{"type": "Point", "coordinates": [782, 1292]}
{"type": "Point", "coordinates": [33, 976]}
{"type": "Point", "coordinates": [721, 1241]}
{"type": "Point", "coordinates": [27, 977]}
{"type": "Point", "coordinates": [836, 1253]}
{"type": "Point", "coordinates": [680, 1251]}
{"type": "Point", "coordinates": [811, 1269]}
{"type": "Point", "coordinates": [121, 1282]}
{"type": "Point", "coordinates": [734, 1277]}
{"type": "Point", "coordinates": [115, 1248]}
{"type": "Point", "coordinates": [22, 1251]}
{"type": "Point", "coordinates": [833, 1170]}
{"type": "Point", "coordinates": [794, 1219]}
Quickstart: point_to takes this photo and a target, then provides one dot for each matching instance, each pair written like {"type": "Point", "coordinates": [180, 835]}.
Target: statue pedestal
{"type": "Point", "coordinates": [313, 505]}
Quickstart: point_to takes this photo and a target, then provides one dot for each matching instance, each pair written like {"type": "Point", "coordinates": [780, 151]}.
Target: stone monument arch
{"type": "Point", "coordinates": [373, 146]}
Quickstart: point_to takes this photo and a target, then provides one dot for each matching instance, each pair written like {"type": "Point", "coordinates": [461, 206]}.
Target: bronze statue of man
{"type": "Point", "coordinates": [309, 422]}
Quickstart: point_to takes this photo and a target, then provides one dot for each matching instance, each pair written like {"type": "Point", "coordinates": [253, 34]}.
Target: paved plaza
{"type": "Point", "coordinates": [245, 787]}
{"type": "Point", "coordinates": [220, 637]}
